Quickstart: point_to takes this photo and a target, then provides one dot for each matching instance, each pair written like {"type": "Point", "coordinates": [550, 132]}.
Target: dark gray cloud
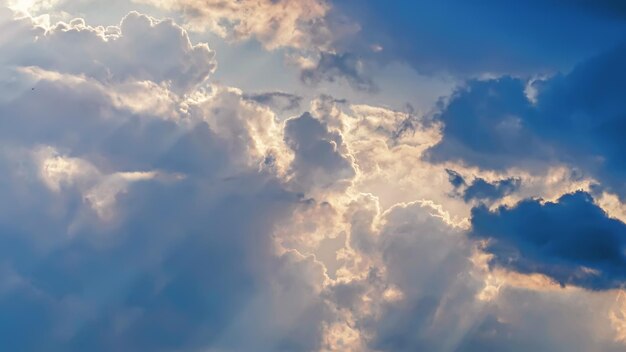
{"type": "Point", "coordinates": [572, 241]}
{"type": "Point", "coordinates": [481, 189]}
{"type": "Point", "coordinates": [486, 124]}
{"type": "Point", "coordinates": [456, 179]}
{"type": "Point", "coordinates": [578, 118]}
{"type": "Point", "coordinates": [280, 101]}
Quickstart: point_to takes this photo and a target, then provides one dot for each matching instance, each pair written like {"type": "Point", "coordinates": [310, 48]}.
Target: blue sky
{"type": "Point", "coordinates": [312, 175]}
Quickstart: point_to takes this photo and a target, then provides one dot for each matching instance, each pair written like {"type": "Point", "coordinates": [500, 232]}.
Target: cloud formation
{"type": "Point", "coordinates": [283, 23]}
{"type": "Point", "coordinates": [572, 241]}
{"type": "Point", "coordinates": [481, 189]}
{"type": "Point", "coordinates": [421, 291]}
{"type": "Point", "coordinates": [145, 207]}
{"type": "Point", "coordinates": [122, 209]}
{"type": "Point", "coordinates": [77, 48]}
{"type": "Point", "coordinates": [576, 119]}
{"type": "Point", "coordinates": [320, 156]}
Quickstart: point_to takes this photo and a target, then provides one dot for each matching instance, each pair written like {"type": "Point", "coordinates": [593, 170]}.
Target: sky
{"type": "Point", "coordinates": [312, 175]}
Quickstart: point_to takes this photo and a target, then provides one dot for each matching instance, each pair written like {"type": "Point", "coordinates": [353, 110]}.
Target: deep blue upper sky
{"type": "Point", "coordinates": [489, 36]}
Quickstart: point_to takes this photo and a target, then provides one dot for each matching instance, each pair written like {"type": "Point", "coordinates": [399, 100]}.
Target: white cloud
{"type": "Point", "coordinates": [157, 51]}
{"type": "Point", "coordinates": [297, 24]}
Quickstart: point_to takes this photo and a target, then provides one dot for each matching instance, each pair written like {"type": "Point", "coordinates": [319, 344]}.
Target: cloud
{"type": "Point", "coordinates": [485, 124]}
{"type": "Point", "coordinates": [280, 101]}
{"type": "Point", "coordinates": [144, 209]}
{"type": "Point", "coordinates": [481, 189]}
{"type": "Point", "coordinates": [422, 288]}
{"type": "Point", "coordinates": [348, 40]}
{"type": "Point", "coordinates": [523, 320]}
{"type": "Point", "coordinates": [306, 29]}
{"type": "Point", "coordinates": [77, 48]}
{"type": "Point", "coordinates": [455, 178]}
{"type": "Point", "coordinates": [572, 241]}
{"type": "Point", "coordinates": [414, 240]}
{"type": "Point", "coordinates": [575, 119]}
{"type": "Point", "coordinates": [321, 158]}
{"type": "Point", "coordinates": [283, 23]}
{"type": "Point", "coordinates": [332, 66]}
{"type": "Point", "coordinates": [138, 212]}
{"type": "Point", "coordinates": [451, 37]}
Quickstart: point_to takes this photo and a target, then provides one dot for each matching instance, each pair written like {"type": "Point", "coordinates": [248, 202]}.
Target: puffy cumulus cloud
{"type": "Point", "coordinates": [156, 51]}
{"type": "Point", "coordinates": [572, 241]}
{"type": "Point", "coordinates": [136, 217]}
{"type": "Point", "coordinates": [405, 277]}
{"type": "Point", "coordinates": [283, 23]}
{"type": "Point", "coordinates": [481, 189]}
{"type": "Point", "coordinates": [248, 129]}
{"type": "Point", "coordinates": [576, 119]}
{"type": "Point", "coordinates": [387, 146]}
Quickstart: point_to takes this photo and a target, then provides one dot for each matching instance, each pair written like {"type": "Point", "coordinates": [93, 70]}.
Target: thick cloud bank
{"type": "Point", "coordinates": [573, 241]}
{"type": "Point", "coordinates": [578, 119]}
